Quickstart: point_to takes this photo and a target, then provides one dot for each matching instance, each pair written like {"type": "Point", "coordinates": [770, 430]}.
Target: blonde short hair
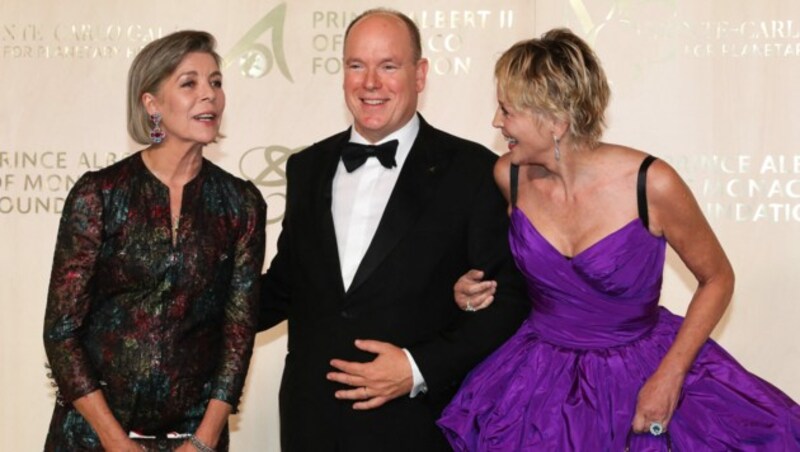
{"type": "Point", "coordinates": [558, 76]}
{"type": "Point", "coordinates": [153, 65]}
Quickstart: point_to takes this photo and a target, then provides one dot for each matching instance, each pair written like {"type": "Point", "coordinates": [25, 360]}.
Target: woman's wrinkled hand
{"type": "Point", "coordinates": [472, 293]}
{"type": "Point", "coordinates": [657, 401]}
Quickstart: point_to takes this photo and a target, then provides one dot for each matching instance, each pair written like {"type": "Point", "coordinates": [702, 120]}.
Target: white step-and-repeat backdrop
{"type": "Point", "coordinates": [709, 86]}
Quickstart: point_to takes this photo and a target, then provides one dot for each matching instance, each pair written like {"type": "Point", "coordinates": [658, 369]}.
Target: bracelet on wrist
{"type": "Point", "coordinates": [199, 445]}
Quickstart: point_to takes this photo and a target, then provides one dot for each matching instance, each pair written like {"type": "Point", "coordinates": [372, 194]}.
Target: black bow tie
{"type": "Point", "coordinates": [354, 154]}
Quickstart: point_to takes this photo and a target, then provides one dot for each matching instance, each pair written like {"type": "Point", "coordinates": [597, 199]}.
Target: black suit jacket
{"type": "Point", "coordinates": [445, 216]}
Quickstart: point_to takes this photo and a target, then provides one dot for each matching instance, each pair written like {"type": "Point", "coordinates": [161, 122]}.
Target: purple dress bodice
{"type": "Point", "coordinates": [604, 296]}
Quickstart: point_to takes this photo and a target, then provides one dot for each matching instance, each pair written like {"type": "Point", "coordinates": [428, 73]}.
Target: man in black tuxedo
{"type": "Point", "coordinates": [368, 255]}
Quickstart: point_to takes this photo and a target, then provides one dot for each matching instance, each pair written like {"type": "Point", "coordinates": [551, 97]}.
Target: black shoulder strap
{"type": "Point", "coordinates": [514, 181]}
{"type": "Point", "coordinates": [641, 190]}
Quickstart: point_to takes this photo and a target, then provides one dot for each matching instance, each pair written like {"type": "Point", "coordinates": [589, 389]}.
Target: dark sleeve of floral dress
{"type": "Point", "coordinates": [160, 328]}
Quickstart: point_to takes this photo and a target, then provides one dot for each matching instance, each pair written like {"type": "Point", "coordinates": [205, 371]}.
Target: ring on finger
{"type": "Point", "coordinates": [469, 307]}
{"type": "Point", "coordinates": [366, 395]}
{"type": "Point", "coordinates": [656, 428]}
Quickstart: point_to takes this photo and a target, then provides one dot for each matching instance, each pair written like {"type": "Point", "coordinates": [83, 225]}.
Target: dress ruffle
{"type": "Point", "coordinates": [533, 395]}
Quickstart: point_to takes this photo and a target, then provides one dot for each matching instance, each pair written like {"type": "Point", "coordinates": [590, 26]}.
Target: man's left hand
{"type": "Point", "coordinates": [386, 377]}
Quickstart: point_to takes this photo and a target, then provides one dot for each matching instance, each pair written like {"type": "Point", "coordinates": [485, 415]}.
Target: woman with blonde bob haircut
{"type": "Point", "coordinates": [560, 78]}
{"type": "Point", "coordinates": [152, 306]}
{"type": "Point", "coordinates": [598, 364]}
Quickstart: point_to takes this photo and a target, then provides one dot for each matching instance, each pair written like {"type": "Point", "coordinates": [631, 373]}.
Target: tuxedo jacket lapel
{"type": "Point", "coordinates": [326, 229]}
{"type": "Point", "coordinates": [412, 192]}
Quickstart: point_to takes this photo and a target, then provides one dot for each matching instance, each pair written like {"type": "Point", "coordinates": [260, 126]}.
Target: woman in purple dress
{"type": "Point", "coordinates": [599, 365]}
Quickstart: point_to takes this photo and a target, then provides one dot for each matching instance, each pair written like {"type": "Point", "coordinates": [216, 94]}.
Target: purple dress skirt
{"type": "Point", "coordinates": [569, 377]}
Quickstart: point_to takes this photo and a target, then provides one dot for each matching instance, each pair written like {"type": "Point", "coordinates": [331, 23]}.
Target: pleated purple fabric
{"type": "Point", "coordinates": [569, 378]}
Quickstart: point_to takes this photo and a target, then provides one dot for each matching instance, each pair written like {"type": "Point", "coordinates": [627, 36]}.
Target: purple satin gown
{"type": "Point", "coordinates": [569, 378]}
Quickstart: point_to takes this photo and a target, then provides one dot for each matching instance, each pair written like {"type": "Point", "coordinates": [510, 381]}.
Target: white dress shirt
{"type": "Point", "coordinates": [359, 199]}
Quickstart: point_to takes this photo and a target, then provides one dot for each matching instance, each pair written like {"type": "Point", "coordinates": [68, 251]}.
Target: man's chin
{"type": "Point", "coordinates": [371, 130]}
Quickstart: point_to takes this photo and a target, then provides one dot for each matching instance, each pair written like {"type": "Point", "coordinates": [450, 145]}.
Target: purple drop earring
{"type": "Point", "coordinates": [156, 135]}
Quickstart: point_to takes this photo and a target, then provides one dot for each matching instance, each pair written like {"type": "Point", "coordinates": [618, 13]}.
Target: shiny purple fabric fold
{"type": "Point", "coordinates": [569, 378]}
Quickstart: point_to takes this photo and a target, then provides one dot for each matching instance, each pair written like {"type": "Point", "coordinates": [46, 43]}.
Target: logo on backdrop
{"type": "Point", "coordinates": [86, 41]}
{"type": "Point", "coordinates": [78, 41]}
{"type": "Point", "coordinates": [265, 166]}
{"type": "Point", "coordinates": [37, 182]}
{"type": "Point", "coordinates": [650, 31]}
{"type": "Point", "coordinates": [255, 59]}
{"type": "Point", "coordinates": [640, 33]}
{"type": "Point", "coordinates": [448, 37]}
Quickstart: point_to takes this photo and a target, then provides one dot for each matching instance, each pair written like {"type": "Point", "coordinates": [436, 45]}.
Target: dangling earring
{"type": "Point", "coordinates": [156, 135]}
{"type": "Point", "coordinates": [558, 151]}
